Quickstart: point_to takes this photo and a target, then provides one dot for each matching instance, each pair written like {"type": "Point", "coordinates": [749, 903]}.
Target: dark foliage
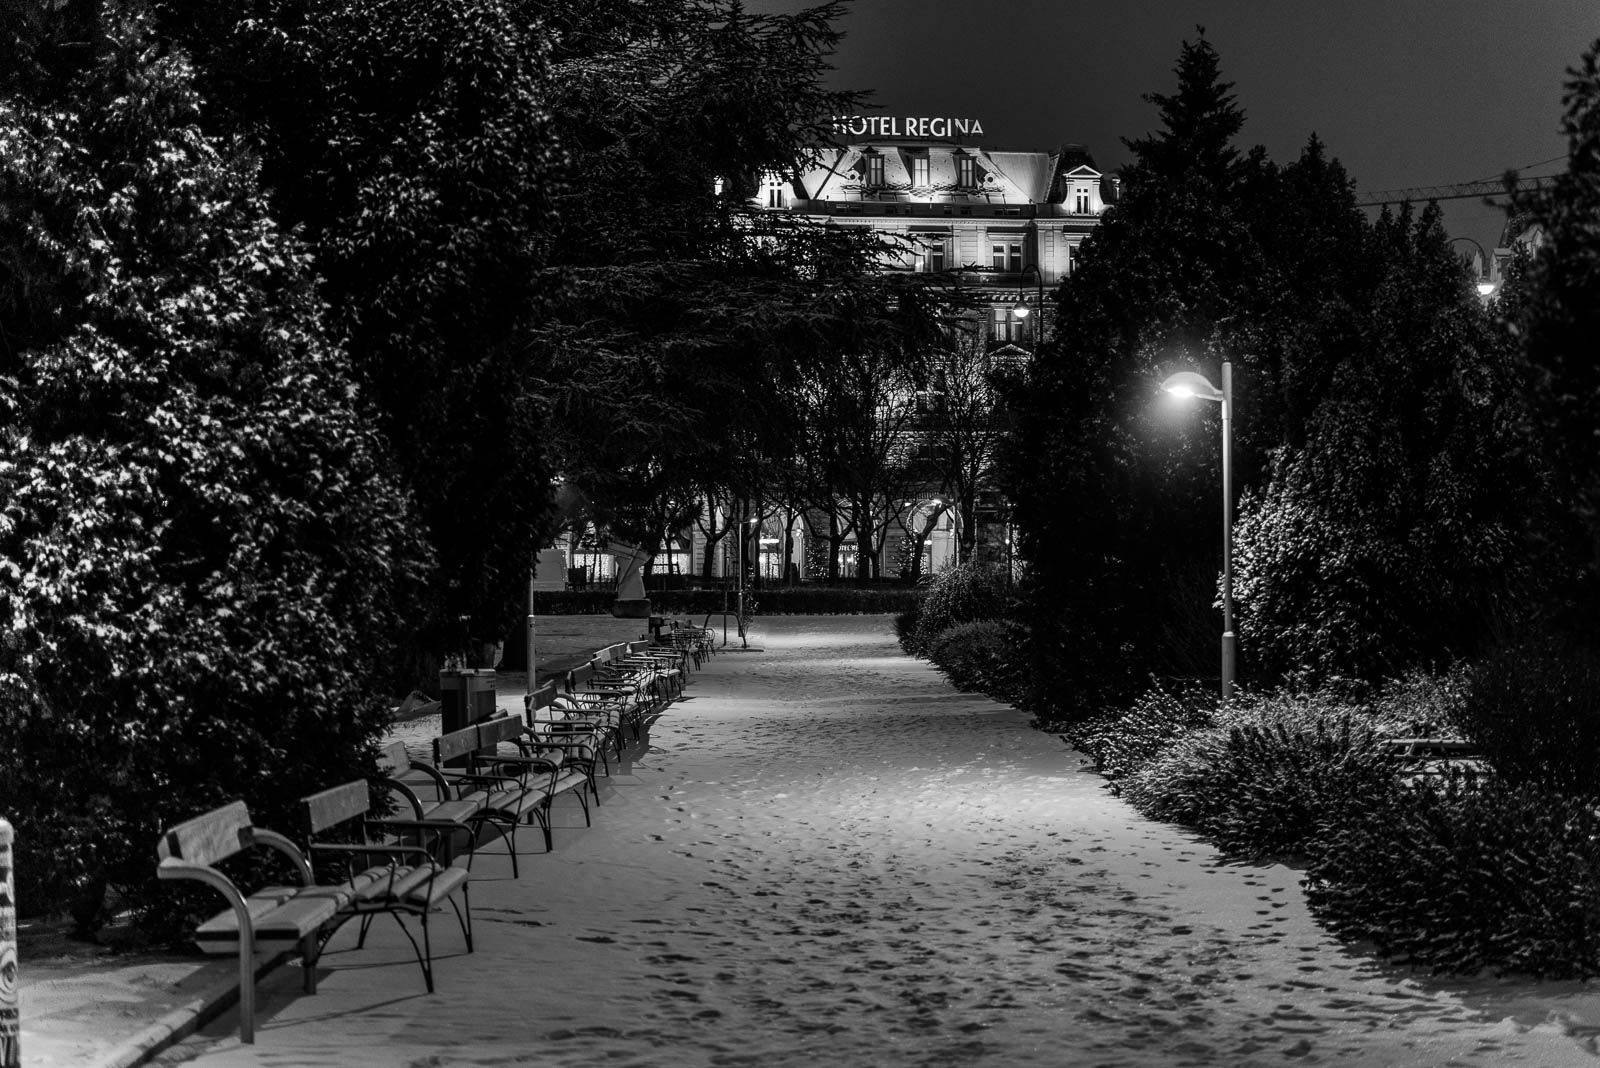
{"type": "Point", "coordinates": [1391, 536]}
{"type": "Point", "coordinates": [962, 593]}
{"type": "Point", "coordinates": [1269, 780]}
{"type": "Point", "coordinates": [775, 601]}
{"type": "Point", "coordinates": [204, 555]}
{"type": "Point", "coordinates": [983, 656]}
{"type": "Point", "coordinates": [905, 626]}
{"type": "Point", "coordinates": [1467, 875]}
{"type": "Point", "coordinates": [1534, 707]}
{"type": "Point", "coordinates": [1153, 281]}
{"type": "Point", "coordinates": [1122, 742]}
{"type": "Point", "coordinates": [1557, 319]}
{"type": "Point", "coordinates": [1379, 527]}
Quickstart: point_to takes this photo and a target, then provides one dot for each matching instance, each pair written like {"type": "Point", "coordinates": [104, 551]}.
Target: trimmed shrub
{"type": "Point", "coordinates": [1123, 742]}
{"type": "Point", "coordinates": [1423, 704]}
{"type": "Point", "coordinates": [905, 626]}
{"type": "Point", "coordinates": [1270, 778]}
{"type": "Point", "coordinates": [983, 656]}
{"type": "Point", "coordinates": [1466, 875]}
{"type": "Point", "coordinates": [962, 593]}
{"type": "Point", "coordinates": [1534, 707]}
{"type": "Point", "coordinates": [774, 601]}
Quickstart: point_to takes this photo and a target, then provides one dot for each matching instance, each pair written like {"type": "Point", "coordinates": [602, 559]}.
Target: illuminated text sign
{"type": "Point", "coordinates": [905, 126]}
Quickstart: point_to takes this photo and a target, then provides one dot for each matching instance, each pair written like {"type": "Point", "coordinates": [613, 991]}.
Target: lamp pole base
{"type": "Point", "coordinates": [1230, 653]}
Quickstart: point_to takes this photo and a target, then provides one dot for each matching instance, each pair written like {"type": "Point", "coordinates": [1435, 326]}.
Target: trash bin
{"type": "Point", "coordinates": [466, 696]}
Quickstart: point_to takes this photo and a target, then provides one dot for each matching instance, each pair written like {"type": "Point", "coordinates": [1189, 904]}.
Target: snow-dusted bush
{"type": "Point", "coordinates": [984, 656]}
{"type": "Point", "coordinates": [203, 555]}
{"type": "Point", "coordinates": [961, 593]}
{"type": "Point", "coordinates": [1465, 875]}
{"type": "Point", "coordinates": [1124, 741]}
{"type": "Point", "coordinates": [1534, 707]}
{"type": "Point", "coordinates": [1270, 776]}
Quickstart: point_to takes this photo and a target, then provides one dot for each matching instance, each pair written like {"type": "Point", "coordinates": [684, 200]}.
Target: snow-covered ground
{"type": "Point", "coordinates": [827, 856]}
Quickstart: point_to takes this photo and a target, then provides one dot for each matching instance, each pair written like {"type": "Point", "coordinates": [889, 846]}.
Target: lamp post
{"type": "Point", "coordinates": [744, 533]}
{"type": "Point", "coordinates": [1192, 384]}
{"type": "Point", "coordinates": [1483, 268]}
{"type": "Point", "coordinates": [1021, 310]}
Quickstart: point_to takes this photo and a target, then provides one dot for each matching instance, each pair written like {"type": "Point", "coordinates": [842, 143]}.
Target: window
{"type": "Point", "coordinates": [874, 170]}
{"type": "Point", "coordinates": [777, 196]}
{"type": "Point", "coordinates": [1082, 202]}
{"type": "Point", "coordinates": [933, 253]}
{"type": "Point", "coordinates": [1006, 254]}
{"type": "Point", "coordinates": [966, 172]}
{"type": "Point", "coordinates": [919, 172]}
{"type": "Point", "coordinates": [1003, 326]}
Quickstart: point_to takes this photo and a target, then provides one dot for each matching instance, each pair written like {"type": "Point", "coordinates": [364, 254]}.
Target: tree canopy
{"type": "Point", "coordinates": [205, 556]}
{"type": "Point", "coordinates": [1371, 399]}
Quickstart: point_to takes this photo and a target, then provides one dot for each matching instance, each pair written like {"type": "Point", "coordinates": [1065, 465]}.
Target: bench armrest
{"type": "Point", "coordinates": [398, 787]}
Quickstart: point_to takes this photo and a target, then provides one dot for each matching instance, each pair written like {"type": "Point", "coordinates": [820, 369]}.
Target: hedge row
{"type": "Point", "coordinates": [1459, 873]}
{"type": "Point", "coordinates": [1455, 873]}
{"type": "Point", "coordinates": [769, 601]}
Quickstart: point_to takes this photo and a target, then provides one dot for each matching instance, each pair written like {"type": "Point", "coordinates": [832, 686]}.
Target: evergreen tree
{"type": "Point", "coordinates": [203, 552]}
{"type": "Point", "coordinates": [1557, 320]}
{"type": "Point", "coordinates": [1387, 535]}
{"type": "Point", "coordinates": [1117, 507]}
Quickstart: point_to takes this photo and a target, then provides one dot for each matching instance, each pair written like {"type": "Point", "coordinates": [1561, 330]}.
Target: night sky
{"type": "Point", "coordinates": [1404, 92]}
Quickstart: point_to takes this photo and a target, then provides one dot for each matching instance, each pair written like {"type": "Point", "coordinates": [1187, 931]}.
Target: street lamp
{"type": "Point", "coordinates": [745, 530]}
{"type": "Point", "coordinates": [955, 526]}
{"type": "Point", "coordinates": [1192, 384]}
{"type": "Point", "coordinates": [1482, 268]}
{"type": "Point", "coordinates": [1021, 309]}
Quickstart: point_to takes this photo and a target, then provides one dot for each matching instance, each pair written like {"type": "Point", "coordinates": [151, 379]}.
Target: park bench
{"type": "Point", "coordinates": [586, 693]}
{"type": "Point", "coordinates": [271, 921]}
{"type": "Point", "coordinates": [506, 792]}
{"type": "Point", "coordinates": [674, 661]}
{"type": "Point", "coordinates": [694, 643]}
{"type": "Point", "coordinates": [440, 810]}
{"type": "Point", "coordinates": [544, 711]}
{"type": "Point", "coordinates": [1425, 756]}
{"type": "Point", "coordinates": [557, 762]}
{"type": "Point", "coordinates": [262, 925]}
{"type": "Point", "coordinates": [659, 674]}
{"type": "Point", "coordinates": [383, 876]}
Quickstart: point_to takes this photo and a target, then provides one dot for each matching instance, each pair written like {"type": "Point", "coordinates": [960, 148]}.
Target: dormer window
{"type": "Point", "coordinates": [874, 170]}
{"type": "Point", "coordinates": [921, 176]}
{"type": "Point", "coordinates": [966, 172]}
{"type": "Point", "coordinates": [1081, 202]}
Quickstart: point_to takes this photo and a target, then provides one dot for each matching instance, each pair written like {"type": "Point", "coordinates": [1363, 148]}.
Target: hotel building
{"type": "Point", "coordinates": [1007, 224]}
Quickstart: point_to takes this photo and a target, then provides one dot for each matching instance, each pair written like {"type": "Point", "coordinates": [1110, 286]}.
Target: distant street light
{"type": "Point", "coordinates": [955, 526]}
{"type": "Point", "coordinates": [1021, 310]}
{"type": "Point", "coordinates": [1191, 384]}
{"type": "Point", "coordinates": [1482, 268]}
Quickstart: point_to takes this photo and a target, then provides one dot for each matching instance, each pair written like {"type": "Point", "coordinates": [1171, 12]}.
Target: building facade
{"type": "Point", "coordinates": [1007, 224]}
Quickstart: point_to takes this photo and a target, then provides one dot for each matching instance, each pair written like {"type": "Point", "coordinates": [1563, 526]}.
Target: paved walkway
{"type": "Point", "coordinates": [826, 856]}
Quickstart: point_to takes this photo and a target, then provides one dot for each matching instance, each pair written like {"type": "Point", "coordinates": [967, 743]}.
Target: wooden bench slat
{"type": "Point", "coordinates": [333, 806]}
{"type": "Point", "coordinates": [459, 743]}
{"type": "Point", "coordinates": [206, 839]}
{"type": "Point", "coordinates": [277, 923]}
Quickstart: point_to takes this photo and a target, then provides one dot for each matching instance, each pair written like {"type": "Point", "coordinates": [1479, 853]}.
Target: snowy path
{"type": "Point", "coordinates": [828, 857]}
